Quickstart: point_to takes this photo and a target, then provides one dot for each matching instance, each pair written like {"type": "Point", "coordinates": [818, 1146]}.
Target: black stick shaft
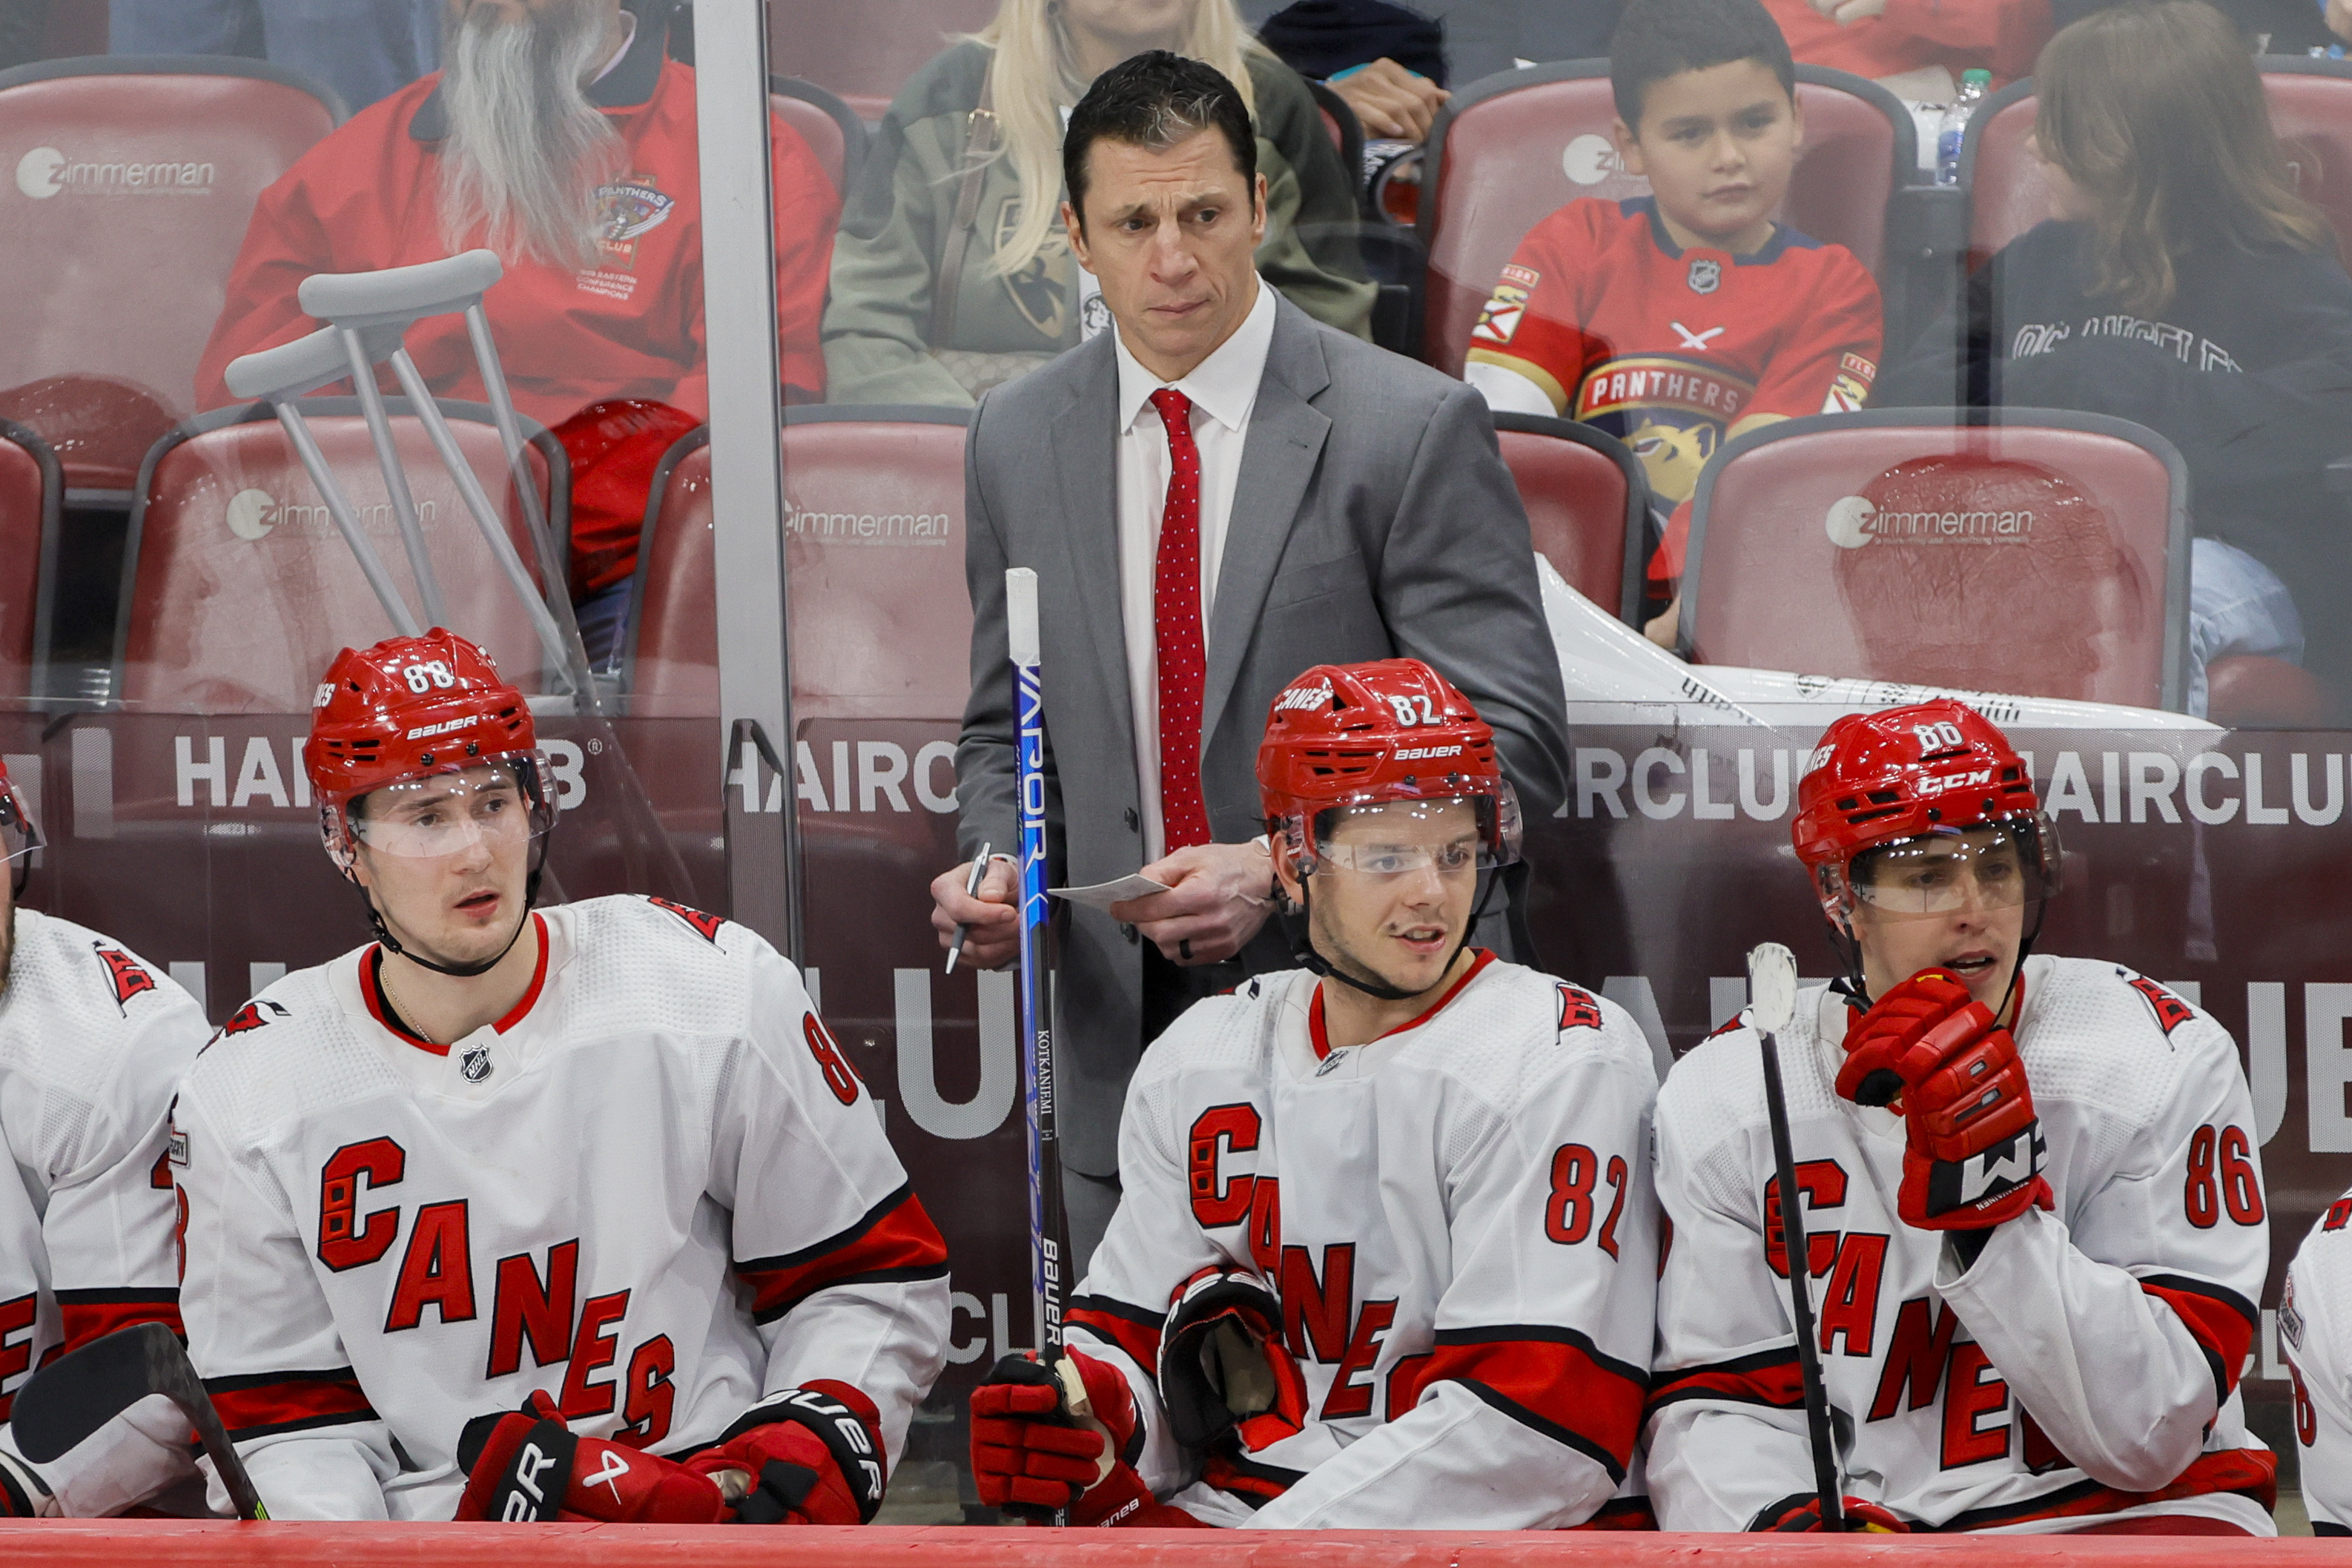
{"type": "Point", "coordinates": [1801, 1301]}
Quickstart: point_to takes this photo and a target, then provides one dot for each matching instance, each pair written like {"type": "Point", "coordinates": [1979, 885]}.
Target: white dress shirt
{"type": "Point", "coordinates": [1223, 390]}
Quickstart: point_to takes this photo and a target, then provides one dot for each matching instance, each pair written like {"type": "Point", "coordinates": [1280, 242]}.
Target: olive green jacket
{"type": "Point", "coordinates": [896, 218]}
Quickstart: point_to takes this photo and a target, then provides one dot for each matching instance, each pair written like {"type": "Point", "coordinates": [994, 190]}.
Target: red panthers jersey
{"type": "Point", "coordinates": [1667, 348]}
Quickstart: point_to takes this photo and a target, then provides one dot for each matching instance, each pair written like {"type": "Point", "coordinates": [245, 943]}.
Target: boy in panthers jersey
{"type": "Point", "coordinates": [1385, 1246]}
{"type": "Point", "coordinates": [2034, 1206]}
{"type": "Point", "coordinates": [538, 1214]}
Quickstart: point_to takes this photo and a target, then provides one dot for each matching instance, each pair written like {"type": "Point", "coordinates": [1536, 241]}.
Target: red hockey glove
{"type": "Point", "coordinates": [1976, 1149]}
{"type": "Point", "coordinates": [1030, 1455]}
{"type": "Point", "coordinates": [1802, 1516]}
{"type": "Point", "coordinates": [810, 1455]}
{"type": "Point", "coordinates": [1225, 1377]}
{"type": "Point", "coordinates": [526, 1465]}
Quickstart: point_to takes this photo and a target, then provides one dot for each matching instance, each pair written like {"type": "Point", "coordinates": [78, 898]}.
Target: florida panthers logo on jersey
{"type": "Point", "coordinates": [1578, 1009]}
{"type": "Point", "coordinates": [2170, 1011]}
{"type": "Point", "coordinates": [125, 971]}
{"type": "Point", "coordinates": [705, 925]}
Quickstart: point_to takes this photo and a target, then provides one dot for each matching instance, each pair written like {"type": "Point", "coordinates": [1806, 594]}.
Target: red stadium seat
{"type": "Point", "coordinates": [868, 59]}
{"type": "Point", "coordinates": [1588, 506]}
{"type": "Point", "coordinates": [829, 126]}
{"type": "Point", "coordinates": [880, 621]}
{"type": "Point", "coordinates": [2028, 554]}
{"type": "Point", "coordinates": [141, 174]}
{"type": "Point", "coordinates": [241, 589]}
{"type": "Point", "coordinates": [2311, 109]}
{"type": "Point", "coordinates": [1516, 147]}
{"type": "Point", "coordinates": [32, 491]}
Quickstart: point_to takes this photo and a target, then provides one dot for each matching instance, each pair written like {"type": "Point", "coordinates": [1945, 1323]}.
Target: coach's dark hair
{"type": "Point", "coordinates": [1154, 101]}
{"type": "Point", "coordinates": [1660, 38]}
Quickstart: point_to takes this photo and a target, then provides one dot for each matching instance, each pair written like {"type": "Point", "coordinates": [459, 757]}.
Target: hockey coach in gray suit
{"type": "Point", "coordinates": [1215, 496]}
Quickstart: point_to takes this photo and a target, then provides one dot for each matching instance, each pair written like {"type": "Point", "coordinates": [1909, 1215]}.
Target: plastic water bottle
{"type": "Point", "coordinates": [1954, 128]}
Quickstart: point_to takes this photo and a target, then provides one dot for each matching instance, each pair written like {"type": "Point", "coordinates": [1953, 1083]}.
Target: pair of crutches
{"type": "Point", "coordinates": [368, 315]}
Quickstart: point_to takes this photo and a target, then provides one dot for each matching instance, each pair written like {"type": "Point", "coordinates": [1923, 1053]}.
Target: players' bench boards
{"type": "Point", "coordinates": [1588, 506]}
{"type": "Point", "coordinates": [239, 589]}
{"type": "Point", "coordinates": [1512, 148]}
{"type": "Point", "coordinates": [2042, 552]}
{"type": "Point", "coordinates": [135, 178]}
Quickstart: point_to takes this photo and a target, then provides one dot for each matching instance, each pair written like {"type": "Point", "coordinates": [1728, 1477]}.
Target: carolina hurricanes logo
{"type": "Point", "coordinates": [1577, 1008]}
{"type": "Point", "coordinates": [707, 926]}
{"type": "Point", "coordinates": [2171, 1013]}
{"type": "Point", "coordinates": [250, 1016]}
{"type": "Point", "coordinates": [124, 970]}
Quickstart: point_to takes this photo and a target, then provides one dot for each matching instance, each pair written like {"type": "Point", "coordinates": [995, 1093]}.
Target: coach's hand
{"type": "Point", "coordinates": [994, 921]}
{"type": "Point", "coordinates": [1218, 896]}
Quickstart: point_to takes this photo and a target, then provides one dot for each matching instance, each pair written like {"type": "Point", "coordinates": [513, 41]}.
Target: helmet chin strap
{"type": "Point", "coordinates": [461, 971]}
{"type": "Point", "coordinates": [1302, 948]}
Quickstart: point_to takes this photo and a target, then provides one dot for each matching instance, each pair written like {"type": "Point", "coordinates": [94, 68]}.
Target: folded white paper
{"type": "Point", "coordinates": [1103, 894]}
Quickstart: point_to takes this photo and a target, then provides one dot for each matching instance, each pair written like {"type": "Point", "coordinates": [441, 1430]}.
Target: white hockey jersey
{"type": "Point", "coordinates": [2315, 1325]}
{"type": "Point", "coordinates": [92, 1041]}
{"type": "Point", "coordinates": [1457, 1219]}
{"type": "Point", "coordinates": [2084, 1368]}
{"type": "Point", "coordinates": [655, 1189]}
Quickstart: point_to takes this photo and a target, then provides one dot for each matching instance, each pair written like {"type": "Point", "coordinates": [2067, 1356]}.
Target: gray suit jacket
{"type": "Point", "coordinates": [1374, 518]}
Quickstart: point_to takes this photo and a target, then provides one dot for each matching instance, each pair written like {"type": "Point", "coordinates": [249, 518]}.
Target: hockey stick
{"type": "Point", "coordinates": [76, 1395]}
{"type": "Point", "coordinates": [1048, 1230]}
{"type": "Point", "coordinates": [1772, 1003]}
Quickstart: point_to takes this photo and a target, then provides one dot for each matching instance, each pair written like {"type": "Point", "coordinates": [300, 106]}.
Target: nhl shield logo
{"type": "Point", "coordinates": [474, 1064]}
{"type": "Point", "coordinates": [1705, 275]}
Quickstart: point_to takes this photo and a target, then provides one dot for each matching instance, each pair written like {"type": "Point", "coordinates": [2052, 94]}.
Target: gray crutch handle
{"type": "Point", "coordinates": [397, 296]}
{"type": "Point", "coordinates": [304, 365]}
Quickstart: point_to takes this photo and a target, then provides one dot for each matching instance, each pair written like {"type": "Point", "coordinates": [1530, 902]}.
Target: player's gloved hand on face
{"type": "Point", "coordinates": [1802, 1516]}
{"type": "Point", "coordinates": [1976, 1150]}
{"type": "Point", "coordinates": [23, 1493]}
{"type": "Point", "coordinates": [810, 1455]}
{"type": "Point", "coordinates": [1031, 1455]}
{"type": "Point", "coordinates": [1225, 1377]}
{"type": "Point", "coordinates": [527, 1464]}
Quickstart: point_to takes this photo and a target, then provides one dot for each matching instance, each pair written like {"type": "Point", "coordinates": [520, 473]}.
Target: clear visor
{"type": "Point", "coordinates": [499, 802]}
{"type": "Point", "coordinates": [19, 834]}
{"type": "Point", "coordinates": [1999, 866]}
{"type": "Point", "coordinates": [1457, 835]}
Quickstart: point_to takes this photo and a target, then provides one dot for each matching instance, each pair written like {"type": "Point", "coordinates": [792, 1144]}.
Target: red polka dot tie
{"type": "Point", "coordinates": [1176, 630]}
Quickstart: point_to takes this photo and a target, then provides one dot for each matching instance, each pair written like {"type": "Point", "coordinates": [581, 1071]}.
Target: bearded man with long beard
{"type": "Point", "coordinates": [93, 1041]}
{"type": "Point", "coordinates": [560, 134]}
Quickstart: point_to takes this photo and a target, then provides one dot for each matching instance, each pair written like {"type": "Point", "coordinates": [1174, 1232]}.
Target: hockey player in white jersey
{"type": "Point", "coordinates": [1385, 1247]}
{"type": "Point", "coordinates": [2032, 1204]}
{"type": "Point", "coordinates": [600, 1166]}
{"type": "Point", "coordinates": [2315, 1325]}
{"type": "Point", "coordinates": [92, 1041]}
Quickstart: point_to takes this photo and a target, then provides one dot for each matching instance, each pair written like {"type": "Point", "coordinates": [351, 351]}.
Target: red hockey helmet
{"type": "Point", "coordinates": [1345, 736]}
{"type": "Point", "coordinates": [1903, 777]}
{"type": "Point", "coordinates": [414, 709]}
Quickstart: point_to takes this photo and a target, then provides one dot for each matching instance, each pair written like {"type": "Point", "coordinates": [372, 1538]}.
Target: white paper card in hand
{"type": "Point", "coordinates": [1103, 894]}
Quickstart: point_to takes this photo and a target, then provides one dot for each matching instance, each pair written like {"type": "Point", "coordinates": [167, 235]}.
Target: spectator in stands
{"type": "Point", "coordinates": [1126, 473]}
{"type": "Point", "coordinates": [951, 275]}
{"type": "Point", "coordinates": [1678, 320]}
{"type": "Point", "coordinates": [365, 50]}
{"type": "Point", "coordinates": [2182, 283]}
{"type": "Point", "coordinates": [1388, 62]}
{"type": "Point", "coordinates": [592, 197]}
{"type": "Point", "coordinates": [1917, 47]}
{"type": "Point", "coordinates": [1484, 36]}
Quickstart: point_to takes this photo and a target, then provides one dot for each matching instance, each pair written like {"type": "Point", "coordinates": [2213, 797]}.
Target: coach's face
{"type": "Point", "coordinates": [1172, 235]}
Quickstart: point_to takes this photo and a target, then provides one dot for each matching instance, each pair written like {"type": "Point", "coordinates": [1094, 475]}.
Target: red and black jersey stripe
{"type": "Point", "coordinates": [895, 1241]}
{"type": "Point", "coordinates": [93, 1314]}
{"type": "Point", "coordinates": [2221, 1321]}
{"type": "Point", "coordinates": [1553, 1380]}
{"type": "Point", "coordinates": [1769, 1377]}
{"type": "Point", "coordinates": [2248, 1472]}
{"type": "Point", "coordinates": [267, 1403]}
{"type": "Point", "coordinates": [1621, 1514]}
{"type": "Point", "coordinates": [1133, 1329]}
